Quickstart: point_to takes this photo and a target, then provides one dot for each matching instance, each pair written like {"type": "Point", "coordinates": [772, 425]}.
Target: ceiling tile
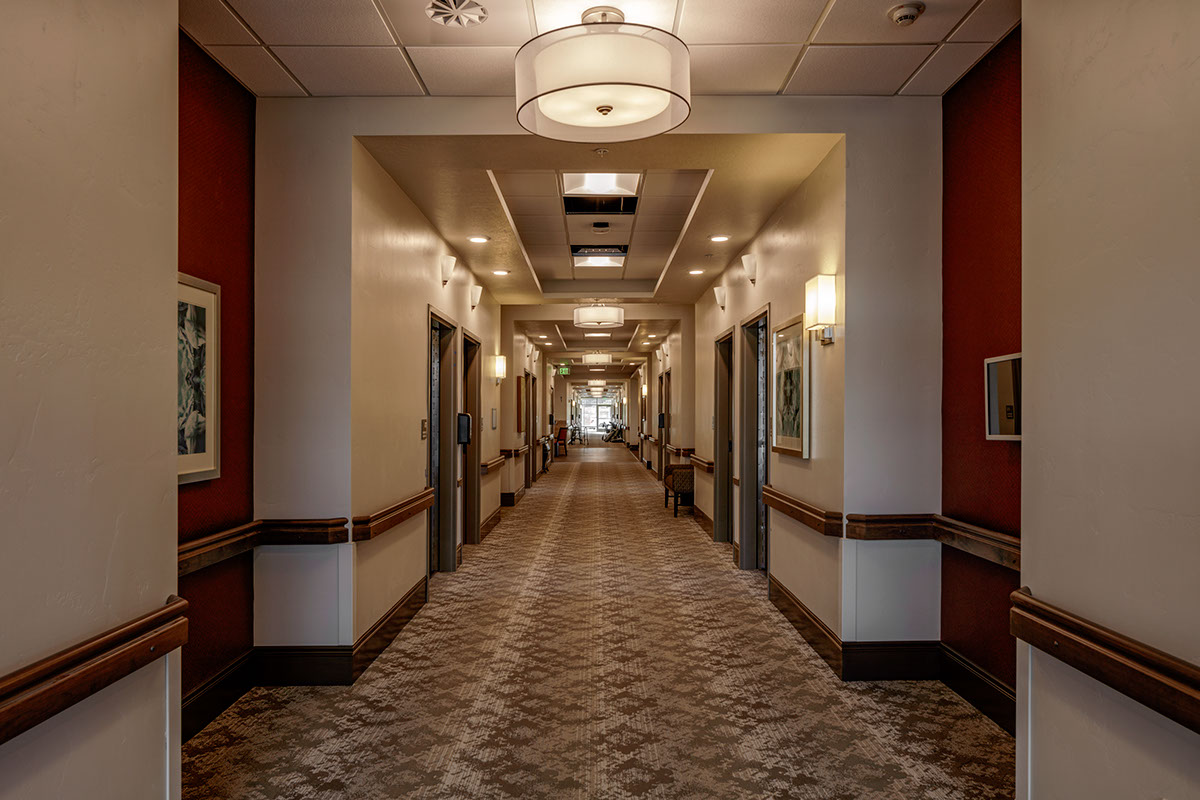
{"type": "Point", "coordinates": [526, 206]}
{"type": "Point", "coordinates": [255, 67]}
{"type": "Point", "coordinates": [867, 22]}
{"type": "Point", "coordinates": [749, 21]}
{"type": "Point", "coordinates": [662, 238]}
{"type": "Point", "coordinates": [599, 274]}
{"type": "Point", "coordinates": [874, 70]}
{"type": "Point", "coordinates": [528, 182]}
{"type": "Point", "coordinates": [990, 20]}
{"type": "Point", "coordinates": [741, 69]}
{"type": "Point", "coordinates": [466, 71]}
{"type": "Point", "coordinates": [643, 268]}
{"type": "Point", "coordinates": [661, 222]}
{"type": "Point", "coordinates": [665, 205]}
{"type": "Point", "coordinates": [351, 71]}
{"type": "Point", "coordinates": [552, 14]}
{"type": "Point", "coordinates": [549, 222]}
{"type": "Point", "coordinates": [945, 67]}
{"type": "Point", "coordinates": [680, 183]}
{"type": "Point", "coordinates": [548, 252]}
{"type": "Point", "coordinates": [345, 22]}
{"type": "Point", "coordinates": [507, 24]}
{"type": "Point", "coordinates": [211, 22]}
{"type": "Point", "coordinates": [558, 237]}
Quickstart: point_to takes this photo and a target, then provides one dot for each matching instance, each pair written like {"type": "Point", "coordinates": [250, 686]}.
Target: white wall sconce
{"type": "Point", "coordinates": [448, 263]}
{"type": "Point", "coordinates": [820, 306]}
{"type": "Point", "coordinates": [750, 265]}
{"type": "Point", "coordinates": [501, 366]}
{"type": "Point", "coordinates": [476, 296]}
{"type": "Point", "coordinates": [720, 294]}
{"type": "Point", "coordinates": [645, 390]}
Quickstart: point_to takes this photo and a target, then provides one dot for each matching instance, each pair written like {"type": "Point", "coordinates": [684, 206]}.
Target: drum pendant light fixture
{"type": "Point", "coordinates": [604, 80]}
{"type": "Point", "coordinates": [599, 316]}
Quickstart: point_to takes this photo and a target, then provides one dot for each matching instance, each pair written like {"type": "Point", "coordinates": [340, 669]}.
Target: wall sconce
{"type": "Point", "coordinates": [448, 263]}
{"type": "Point", "coordinates": [645, 389]}
{"type": "Point", "coordinates": [820, 306]}
{"type": "Point", "coordinates": [501, 368]}
{"type": "Point", "coordinates": [719, 293]}
{"type": "Point", "coordinates": [476, 295]}
{"type": "Point", "coordinates": [750, 265]}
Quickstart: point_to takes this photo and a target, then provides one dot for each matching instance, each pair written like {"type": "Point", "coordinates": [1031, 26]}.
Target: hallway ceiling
{"type": "Point", "coordinates": [507, 188]}
{"type": "Point", "coordinates": [391, 48]}
{"type": "Point", "coordinates": [629, 345]}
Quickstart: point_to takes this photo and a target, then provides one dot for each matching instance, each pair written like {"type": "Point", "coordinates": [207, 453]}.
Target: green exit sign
{"type": "Point", "coordinates": [564, 370]}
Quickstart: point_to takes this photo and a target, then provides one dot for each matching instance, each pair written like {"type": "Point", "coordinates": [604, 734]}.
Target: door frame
{"type": "Point", "coordinates": [527, 412]}
{"type": "Point", "coordinates": [723, 428]}
{"type": "Point", "coordinates": [472, 403]}
{"type": "Point", "coordinates": [751, 509]}
{"type": "Point", "coordinates": [442, 519]}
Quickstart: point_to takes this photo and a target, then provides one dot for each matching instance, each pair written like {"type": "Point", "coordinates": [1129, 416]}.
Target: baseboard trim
{"type": "Point", "coordinates": [737, 555]}
{"type": "Point", "coordinates": [458, 556]}
{"type": "Point", "coordinates": [510, 499]}
{"type": "Point", "coordinates": [489, 524]}
{"type": "Point", "coordinates": [858, 661]}
{"type": "Point", "coordinates": [337, 665]}
{"type": "Point", "coordinates": [703, 520]}
{"type": "Point", "coordinates": [206, 702]}
{"type": "Point", "coordinates": [993, 697]}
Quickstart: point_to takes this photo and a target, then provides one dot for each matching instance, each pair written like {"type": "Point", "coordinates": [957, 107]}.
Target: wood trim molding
{"type": "Point", "coordinates": [512, 498]}
{"type": "Point", "coordinates": [672, 449]}
{"type": "Point", "coordinates": [827, 523]}
{"type": "Point", "coordinates": [523, 449]}
{"type": "Point", "coordinates": [369, 526]}
{"type": "Point", "coordinates": [493, 465]}
{"type": "Point", "coordinates": [37, 692]}
{"type": "Point", "coordinates": [737, 555]}
{"type": "Point", "coordinates": [508, 453]}
{"type": "Point", "coordinates": [304, 531]}
{"type": "Point", "coordinates": [208, 550]}
{"type": "Point", "coordinates": [489, 524]}
{"type": "Point", "coordinates": [995, 698]}
{"type": "Point", "coordinates": [206, 702]}
{"type": "Point", "coordinates": [999, 548]}
{"type": "Point", "coordinates": [702, 463]}
{"type": "Point", "coordinates": [1157, 680]}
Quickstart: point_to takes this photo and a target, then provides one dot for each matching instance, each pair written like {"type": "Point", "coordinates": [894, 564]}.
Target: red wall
{"type": "Point", "coordinates": [216, 243]}
{"type": "Point", "coordinates": [981, 318]}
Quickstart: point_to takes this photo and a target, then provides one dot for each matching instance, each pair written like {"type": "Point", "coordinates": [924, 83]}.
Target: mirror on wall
{"type": "Point", "coordinates": [1002, 385]}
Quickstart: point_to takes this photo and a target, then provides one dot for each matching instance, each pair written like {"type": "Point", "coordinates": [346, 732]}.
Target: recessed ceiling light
{"type": "Point", "coordinates": [478, 239]}
{"type": "Point", "coordinates": [645, 343]}
{"type": "Point", "coordinates": [721, 238]}
{"type": "Point", "coordinates": [499, 272]}
{"type": "Point", "coordinates": [695, 272]}
{"type": "Point", "coordinates": [543, 336]}
{"type": "Point", "coordinates": [584, 184]}
{"type": "Point", "coordinates": [651, 335]}
{"type": "Point", "coordinates": [598, 335]}
{"type": "Point", "coordinates": [595, 369]}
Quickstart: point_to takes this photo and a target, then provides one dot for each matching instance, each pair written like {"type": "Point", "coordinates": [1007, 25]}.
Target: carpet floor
{"type": "Point", "coordinates": [596, 647]}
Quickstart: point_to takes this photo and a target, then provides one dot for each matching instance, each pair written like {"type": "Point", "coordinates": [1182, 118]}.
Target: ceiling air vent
{"type": "Point", "coordinates": [456, 13]}
{"type": "Point", "coordinates": [600, 205]}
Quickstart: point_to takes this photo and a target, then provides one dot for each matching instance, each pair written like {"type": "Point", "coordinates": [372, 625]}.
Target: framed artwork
{"type": "Point", "coordinates": [789, 342]}
{"type": "Point", "coordinates": [198, 386]}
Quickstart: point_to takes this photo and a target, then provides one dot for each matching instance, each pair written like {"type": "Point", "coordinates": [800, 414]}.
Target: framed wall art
{"type": "Point", "coordinates": [789, 343]}
{"type": "Point", "coordinates": [198, 386]}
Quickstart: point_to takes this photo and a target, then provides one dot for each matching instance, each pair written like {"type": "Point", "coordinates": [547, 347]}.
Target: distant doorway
{"type": "Point", "coordinates": [528, 411]}
{"type": "Point", "coordinates": [442, 464]}
{"type": "Point", "coordinates": [472, 372]}
{"type": "Point", "coordinates": [753, 443]}
{"type": "Point", "coordinates": [723, 441]}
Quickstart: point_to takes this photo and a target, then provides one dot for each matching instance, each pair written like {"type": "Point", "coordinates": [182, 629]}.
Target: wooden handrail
{"type": "Point", "coordinates": [215, 548]}
{"type": "Point", "coordinates": [37, 692]}
{"type": "Point", "coordinates": [368, 526]}
{"type": "Point", "coordinates": [999, 548]}
{"type": "Point", "coordinates": [1157, 680]}
{"type": "Point", "coordinates": [827, 523]}
{"type": "Point", "coordinates": [702, 463]}
{"type": "Point", "coordinates": [493, 465]}
{"type": "Point", "coordinates": [304, 531]}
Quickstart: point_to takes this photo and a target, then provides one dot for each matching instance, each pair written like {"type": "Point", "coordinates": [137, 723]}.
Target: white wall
{"type": "Point", "coordinates": [1110, 513]}
{"type": "Point", "coordinates": [88, 207]}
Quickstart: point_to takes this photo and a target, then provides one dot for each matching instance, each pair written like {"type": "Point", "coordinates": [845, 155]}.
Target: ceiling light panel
{"type": "Point", "coordinates": [552, 14]}
{"type": "Point", "coordinates": [600, 184]}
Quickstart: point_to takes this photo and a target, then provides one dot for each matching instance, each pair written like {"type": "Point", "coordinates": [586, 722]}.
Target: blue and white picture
{"type": "Point", "coordinates": [198, 379]}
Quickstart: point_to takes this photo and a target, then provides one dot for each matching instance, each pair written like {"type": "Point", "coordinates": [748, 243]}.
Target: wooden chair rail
{"type": "Point", "coordinates": [702, 463]}
{"type": "Point", "coordinates": [1157, 680]}
{"type": "Point", "coordinates": [999, 548]}
{"type": "Point", "coordinates": [214, 548]}
{"type": "Point", "coordinates": [493, 465]}
{"type": "Point", "coordinates": [37, 692]}
{"type": "Point", "coordinates": [827, 523]}
{"type": "Point", "coordinates": [369, 526]}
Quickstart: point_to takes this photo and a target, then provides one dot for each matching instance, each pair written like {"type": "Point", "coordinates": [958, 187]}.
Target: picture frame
{"type": "Point", "coordinates": [790, 393]}
{"type": "Point", "coordinates": [198, 380]}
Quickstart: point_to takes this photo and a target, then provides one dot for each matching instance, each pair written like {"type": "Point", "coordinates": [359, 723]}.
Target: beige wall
{"type": "Point", "coordinates": [88, 207]}
{"type": "Point", "coordinates": [1110, 513]}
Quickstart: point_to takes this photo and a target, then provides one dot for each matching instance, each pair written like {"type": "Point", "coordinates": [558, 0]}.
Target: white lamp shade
{"type": "Point", "coordinates": [476, 295]}
{"type": "Point", "coordinates": [599, 317]}
{"type": "Point", "coordinates": [597, 358]}
{"type": "Point", "coordinates": [750, 265]}
{"type": "Point", "coordinates": [645, 390]}
{"type": "Point", "coordinates": [603, 82]}
{"type": "Point", "coordinates": [719, 294]}
{"type": "Point", "coordinates": [597, 382]}
{"type": "Point", "coordinates": [820, 301]}
{"type": "Point", "coordinates": [448, 263]}
{"type": "Point", "coordinates": [501, 367]}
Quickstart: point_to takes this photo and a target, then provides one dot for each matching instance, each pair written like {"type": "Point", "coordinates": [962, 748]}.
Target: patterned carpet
{"type": "Point", "coordinates": [595, 647]}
